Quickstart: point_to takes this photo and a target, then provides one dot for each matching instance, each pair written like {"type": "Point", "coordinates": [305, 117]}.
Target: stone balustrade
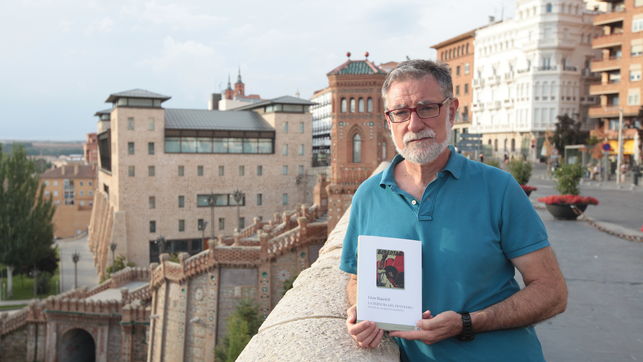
{"type": "Point", "coordinates": [128, 275]}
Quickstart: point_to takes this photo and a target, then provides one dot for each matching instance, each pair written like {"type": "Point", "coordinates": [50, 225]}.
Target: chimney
{"type": "Point", "coordinates": [492, 18]}
{"type": "Point", "coordinates": [213, 103]}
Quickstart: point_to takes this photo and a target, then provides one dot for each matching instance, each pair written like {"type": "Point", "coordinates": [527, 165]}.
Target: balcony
{"type": "Point", "coordinates": [608, 88]}
{"type": "Point", "coordinates": [609, 18]}
{"type": "Point", "coordinates": [603, 112]}
{"type": "Point", "coordinates": [607, 41]}
{"type": "Point", "coordinates": [601, 65]}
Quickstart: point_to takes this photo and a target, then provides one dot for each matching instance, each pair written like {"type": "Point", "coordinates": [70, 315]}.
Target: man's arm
{"type": "Point", "coordinates": [365, 333]}
{"type": "Point", "coordinates": [544, 296]}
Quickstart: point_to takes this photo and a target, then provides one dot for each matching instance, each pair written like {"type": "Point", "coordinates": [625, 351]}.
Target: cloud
{"type": "Point", "coordinates": [104, 25]}
{"type": "Point", "coordinates": [180, 54]}
{"type": "Point", "coordinates": [178, 16]}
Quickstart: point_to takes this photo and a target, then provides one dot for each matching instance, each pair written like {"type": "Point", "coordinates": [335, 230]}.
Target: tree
{"type": "Point", "coordinates": [26, 229]}
{"type": "Point", "coordinates": [242, 325]}
{"type": "Point", "coordinates": [568, 132]}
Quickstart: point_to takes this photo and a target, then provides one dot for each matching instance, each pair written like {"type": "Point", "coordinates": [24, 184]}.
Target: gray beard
{"type": "Point", "coordinates": [422, 154]}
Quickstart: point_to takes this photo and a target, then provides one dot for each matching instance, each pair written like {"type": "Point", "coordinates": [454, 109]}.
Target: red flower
{"type": "Point", "coordinates": [568, 200]}
{"type": "Point", "coordinates": [528, 188]}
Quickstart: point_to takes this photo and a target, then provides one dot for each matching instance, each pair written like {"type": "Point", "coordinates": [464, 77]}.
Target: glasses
{"type": "Point", "coordinates": [429, 110]}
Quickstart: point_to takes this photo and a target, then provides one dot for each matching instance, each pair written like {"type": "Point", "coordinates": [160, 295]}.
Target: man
{"type": "Point", "coordinates": [475, 224]}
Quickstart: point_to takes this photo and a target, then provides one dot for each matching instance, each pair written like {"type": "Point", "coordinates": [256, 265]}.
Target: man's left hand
{"type": "Point", "coordinates": [434, 329]}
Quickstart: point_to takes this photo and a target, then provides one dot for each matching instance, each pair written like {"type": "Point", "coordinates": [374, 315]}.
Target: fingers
{"type": "Point", "coordinates": [412, 335]}
{"type": "Point", "coordinates": [427, 314]}
{"type": "Point", "coordinates": [378, 338]}
{"type": "Point", "coordinates": [351, 314]}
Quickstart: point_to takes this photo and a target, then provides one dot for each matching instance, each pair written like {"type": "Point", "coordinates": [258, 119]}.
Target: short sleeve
{"type": "Point", "coordinates": [348, 262]}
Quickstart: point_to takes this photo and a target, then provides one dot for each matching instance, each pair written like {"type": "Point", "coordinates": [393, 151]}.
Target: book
{"type": "Point", "coordinates": [389, 282]}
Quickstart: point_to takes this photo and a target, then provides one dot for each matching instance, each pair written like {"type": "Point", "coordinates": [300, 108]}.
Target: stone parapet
{"type": "Point", "coordinates": [308, 324]}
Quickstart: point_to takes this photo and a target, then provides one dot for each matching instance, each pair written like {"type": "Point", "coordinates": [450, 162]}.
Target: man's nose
{"type": "Point", "coordinates": [416, 123]}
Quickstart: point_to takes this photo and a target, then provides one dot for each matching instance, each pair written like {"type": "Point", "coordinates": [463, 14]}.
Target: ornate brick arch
{"type": "Point", "coordinates": [350, 142]}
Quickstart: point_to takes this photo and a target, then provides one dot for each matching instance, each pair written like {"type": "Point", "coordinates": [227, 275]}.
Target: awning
{"type": "Point", "coordinates": [628, 147]}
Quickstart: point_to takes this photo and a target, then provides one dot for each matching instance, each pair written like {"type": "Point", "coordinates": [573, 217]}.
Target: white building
{"type": "Point", "coordinates": [529, 70]}
{"type": "Point", "coordinates": [322, 122]}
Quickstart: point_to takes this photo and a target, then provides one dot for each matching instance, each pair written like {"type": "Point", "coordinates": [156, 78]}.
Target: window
{"type": "Point", "coordinates": [199, 170]}
{"type": "Point", "coordinates": [259, 199]}
{"type": "Point", "coordinates": [181, 225]}
{"type": "Point", "coordinates": [300, 170]}
{"type": "Point", "coordinates": [513, 145]}
{"type": "Point", "coordinates": [357, 148]}
{"type": "Point", "coordinates": [548, 8]}
{"type": "Point", "coordinates": [181, 171]}
{"type": "Point", "coordinates": [457, 70]}
{"type": "Point", "coordinates": [466, 88]}
{"type": "Point", "coordinates": [221, 171]}
{"type": "Point", "coordinates": [301, 150]}
{"type": "Point", "coordinates": [200, 225]}
{"type": "Point", "coordinates": [130, 123]}
{"type": "Point", "coordinates": [633, 97]}
{"type": "Point", "coordinates": [221, 223]}
{"type": "Point", "coordinates": [284, 199]}
{"type": "Point", "coordinates": [181, 201]}
{"type": "Point", "coordinates": [638, 3]}
{"type": "Point", "coordinates": [360, 105]}
{"type": "Point", "coordinates": [90, 193]}
{"type": "Point", "coordinates": [89, 183]}
{"type": "Point", "coordinates": [131, 172]}
{"type": "Point", "coordinates": [369, 104]}
{"type": "Point", "coordinates": [457, 90]}
{"type": "Point", "coordinates": [130, 148]}
{"type": "Point", "coordinates": [301, 127]}
{"type": "Point", "coordinates": [466, 68]}
{"type": "Point", "coordinates": [343, 105]}
{"type": "Point", "coordinates": [284, 150]}
{"type": "Point", "coordinates": [151, 124]}
{"type": "Point", "coordinates": [150, 148]}
{"type": "Point", "coordinates": [635, 74]}
{"type": "Point", "coordinates": [80, 193]}
{"type": "Point", "coordinates": [151, 201]}
{"type": "Point", "coordinates": [152, 226]}
{"type": "Point", "coordinates": [285, 126]}
{"type": "Point", "coordinates": [242, 170]}
{"type": "Point", "coordinates": [637, 24]}
{"type": "Point", "coordinates": [259, 170]}
{"type": "Point", "coordinates": [151, 170]}
{"type": "Point", "coordinates": [284, 170]}
{"type": "Point", "coordinates": [636, 47]}
{"type": "Point", "coordinates": [55, 193]}
{"type": "Point", "coordinates": [81, 183]}
{"type": "Point", "coordinates": [352, 105]}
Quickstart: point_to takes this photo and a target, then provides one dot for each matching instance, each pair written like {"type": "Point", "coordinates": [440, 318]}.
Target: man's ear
{"type": "Point", "coordinates": [453, 107]}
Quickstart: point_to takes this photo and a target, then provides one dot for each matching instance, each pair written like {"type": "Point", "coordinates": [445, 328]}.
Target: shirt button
{"type": "Point", "coordinates": [414, 202]}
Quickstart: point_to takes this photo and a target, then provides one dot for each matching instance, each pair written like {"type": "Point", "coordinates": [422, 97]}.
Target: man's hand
{"type": "Point", "coordinates": [434, 329]}
{"type": "Point", "coordinates": [365, 333]}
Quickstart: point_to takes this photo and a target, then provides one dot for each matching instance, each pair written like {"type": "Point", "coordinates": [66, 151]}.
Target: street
{"type": "Point", "coordinates": [87, 275]}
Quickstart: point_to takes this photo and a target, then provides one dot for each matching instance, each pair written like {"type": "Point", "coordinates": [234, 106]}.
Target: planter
{"type": "Point", "coordinates": [566, 211]}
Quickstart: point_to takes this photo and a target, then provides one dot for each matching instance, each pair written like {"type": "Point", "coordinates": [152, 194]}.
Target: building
{"type": "Point", "coordinates": [457, 52]}
{"type": "Point", "coordinates": [322, 120]}
{"type": "Point", "coordinates": [529, 70]}
{"type": "Point", "coordinates": [234, 97]}
{"type": "Point", "coordinates": [170, 177]}
{"type": "Point", "coordinates": [71, 188]}
{"type": "Point", "coordinates": [619, 64]}
{"type": "Point", "coordinates": [90, 149]}
{"type": "Point", "coordinates": [360, 139]}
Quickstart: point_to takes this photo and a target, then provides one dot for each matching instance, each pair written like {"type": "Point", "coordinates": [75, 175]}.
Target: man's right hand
{"type": "Point", "coordinates": [365, 333]}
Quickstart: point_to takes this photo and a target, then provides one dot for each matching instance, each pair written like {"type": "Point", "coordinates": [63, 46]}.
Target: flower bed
{"type": "Point", "coordinates": [568, 200]}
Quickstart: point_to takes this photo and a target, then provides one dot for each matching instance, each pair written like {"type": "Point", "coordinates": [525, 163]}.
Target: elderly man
{"type": "Point", "coordinates": [475, 225]}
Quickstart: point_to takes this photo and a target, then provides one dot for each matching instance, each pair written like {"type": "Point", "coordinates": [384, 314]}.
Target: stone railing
{"type": "Point", "coordinates": [128, 275]}
{"type": "Point", "coordinates": [308, 323]}
{"type": "Point", "coordinates": [107, 308]}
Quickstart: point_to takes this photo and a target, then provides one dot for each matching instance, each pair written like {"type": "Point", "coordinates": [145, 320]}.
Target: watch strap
{"type": "Point", "coordinates": [467, 328]}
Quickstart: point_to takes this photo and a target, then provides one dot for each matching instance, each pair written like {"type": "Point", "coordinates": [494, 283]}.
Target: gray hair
{"type": "Point", "coordinates": [417, 69]}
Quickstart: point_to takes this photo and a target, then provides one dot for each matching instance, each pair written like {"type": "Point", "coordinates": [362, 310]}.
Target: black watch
{"type": "Point", "coordinates": [467, 328]}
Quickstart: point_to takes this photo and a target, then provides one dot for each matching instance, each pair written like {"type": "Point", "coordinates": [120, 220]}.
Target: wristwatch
{"type": "Point", "coordinates": [467, 328]}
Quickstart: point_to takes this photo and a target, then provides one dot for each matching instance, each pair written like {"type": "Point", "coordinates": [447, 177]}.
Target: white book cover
{"type": "Point", "coordinates": [389, 282]}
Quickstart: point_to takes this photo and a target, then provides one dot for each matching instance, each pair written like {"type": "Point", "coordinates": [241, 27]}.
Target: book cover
{"type": "Point", "coordinates": [389, 282]}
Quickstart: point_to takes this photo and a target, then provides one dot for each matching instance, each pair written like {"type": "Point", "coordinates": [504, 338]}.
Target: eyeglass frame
{"type": "Point", "coordinates": [414, 109]}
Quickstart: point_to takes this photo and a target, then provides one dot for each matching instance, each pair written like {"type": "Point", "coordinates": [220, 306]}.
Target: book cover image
{"type": "Point", "coordinates": [389, 281]}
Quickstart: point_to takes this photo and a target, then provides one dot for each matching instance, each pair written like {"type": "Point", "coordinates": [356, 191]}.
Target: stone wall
{"type": "Point", "coordinates": [13, 346]}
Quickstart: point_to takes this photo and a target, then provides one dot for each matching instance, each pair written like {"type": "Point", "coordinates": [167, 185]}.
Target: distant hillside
{"type": "Point", "coordinates": [45, 148]}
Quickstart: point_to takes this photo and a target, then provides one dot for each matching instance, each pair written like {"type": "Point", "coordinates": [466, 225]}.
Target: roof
{"type": "Point", "coordinates": [357, 67]}
{"type": "Point", "coordinates": [71, 172]}
{"type": "Point", "coordinates": [278, 100]}
{"type": "Point", "coordinates": [463, 36]}
{"type": "Point", "coordinates": [104, 111]}
{"type": "Point", "coordinates": [136, 93]}
{"type": "Point", "coordinates": [203, 119]}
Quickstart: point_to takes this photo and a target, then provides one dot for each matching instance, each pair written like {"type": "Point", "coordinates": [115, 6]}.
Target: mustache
{"type": "Point", "coordinates": [411, 136]}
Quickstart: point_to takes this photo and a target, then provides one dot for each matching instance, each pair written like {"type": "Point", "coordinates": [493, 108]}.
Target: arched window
{"type": "Point", "coordinates": [505, 145]}
{"type": "Point", "coordinates": [360, 105]}
{"type": "Point", "coordinates": [495, 145]}
{"type": "Point", "coordinates": [357, 148]}
{"type": "Point", "coordinates": [548, 7]}
{"type": "Point", "coordinates": [352, 105]}
{"type": "Point", "coordinates": [513, 145]}
{"type": "Point", "coordinates": [369, 104]}
{"type": "Point", "coordinates": [343, 106]}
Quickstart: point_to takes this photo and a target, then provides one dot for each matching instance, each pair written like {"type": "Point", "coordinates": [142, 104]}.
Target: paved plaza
{"type": "Point", "coordinates": [87, 276]}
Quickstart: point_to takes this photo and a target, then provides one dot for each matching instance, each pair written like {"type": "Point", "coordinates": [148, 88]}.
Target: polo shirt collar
{"type": "Point", "coordinates": [454, 167]}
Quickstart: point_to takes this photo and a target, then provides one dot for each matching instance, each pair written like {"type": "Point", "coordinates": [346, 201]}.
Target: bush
{"type": "Point", "coordinates": [119, 264]}
{"type": "Point", "coordinates": [520, 170]}
{"type": "Point", "coordinates": [492, 162]}
{"type": "Point", "coordinates": [567, 178]}
{"type": "Point", "coordinates": [242, 324]}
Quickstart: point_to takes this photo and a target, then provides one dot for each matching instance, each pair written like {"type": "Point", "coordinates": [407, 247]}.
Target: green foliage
{"type": "Point", "coordinates": [568, 132]}
{"type": "Point", "coordinates": [26, 229]}
{"type": "Point", "coordinates": [492, 162]}
{"type": "Point", "coordinates": [520, 170]}
{"type": "Point", "coordinates": [567, 179]}
{"type": "Point", "coordinates": [242, 325]}
{"type": "Point", "coordinates": [119, 263]}
{"type": "Point", "coordinates": [287, 285]}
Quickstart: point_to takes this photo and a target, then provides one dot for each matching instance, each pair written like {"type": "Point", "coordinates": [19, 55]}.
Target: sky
{"type": "Point", "coordinates": [61, 59]}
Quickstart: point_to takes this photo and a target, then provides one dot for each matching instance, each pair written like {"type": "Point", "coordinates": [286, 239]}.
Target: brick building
{"type": "Point", "coordinates": [71, 187]}
{"type": "Point", "coordinates": [169, 178]}
{"type": "Point", "coordinates": [90, 149]}
{"type": "Point", "coordinates": [360, 139]}
{"type": "Point", "coordinates": [620, 66]}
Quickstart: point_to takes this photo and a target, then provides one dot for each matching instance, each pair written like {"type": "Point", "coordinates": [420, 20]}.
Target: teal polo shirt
{"type": "Point", "coordinates": [472, 219]}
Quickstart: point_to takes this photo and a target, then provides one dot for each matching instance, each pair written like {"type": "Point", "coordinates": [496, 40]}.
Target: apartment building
{"type": "Point", "coordinates": [619, 64]}
{"type": "Point", "coordinates": [170, 178]}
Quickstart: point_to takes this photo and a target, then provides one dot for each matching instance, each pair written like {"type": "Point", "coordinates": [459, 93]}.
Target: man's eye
{"type": "Point", "coordinates": [400, 113]}
{"type": "Point", "coordinates": [428, 108]}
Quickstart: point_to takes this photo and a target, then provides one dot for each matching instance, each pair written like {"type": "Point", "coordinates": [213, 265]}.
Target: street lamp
{"type": "Point", "coordinates": [211, 205]}
{"type": "Point", "coordinates": [75, 257]}
{"type": "Point", "coordinates": [112, 247]}
{"type": "Point", "coordinates": [238, 196]}
{"type": "Point", "coordinates": [202, 225]}
{"type": "Point", "coordinates": [619, 157]}
{"type": "Point", "coordinates": [160, 242]}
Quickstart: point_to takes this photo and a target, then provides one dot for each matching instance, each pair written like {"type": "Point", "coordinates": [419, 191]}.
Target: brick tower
{"type": "Point", "coordinates": [360, 139]}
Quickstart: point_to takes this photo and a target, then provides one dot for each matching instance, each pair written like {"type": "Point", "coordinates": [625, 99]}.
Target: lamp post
{"type": "Point", "coordinates": [112, 247]}
{"type": "Point", "coordinates": [211, 205]}
{"type": "Point", "coordinates": [201, 228]}
{"type": "Point", "coordinates": [160, 242]}
{"type": "Point", "coordinates": [238, 196]}
{"type": "Point", "coordinates": [75, 257]}
{"type": "Point", "coordinates": [619, 157]}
